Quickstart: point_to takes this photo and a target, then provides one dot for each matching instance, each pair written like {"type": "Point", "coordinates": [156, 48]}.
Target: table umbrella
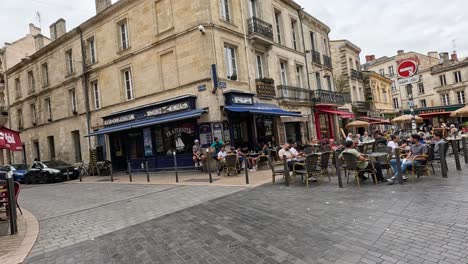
{"type": "Point", "coordinates": [407, 119]}
{"type": "Point", "coordinates": [462, 112]}
{"type": "Point", "coordinates": [357, 123]}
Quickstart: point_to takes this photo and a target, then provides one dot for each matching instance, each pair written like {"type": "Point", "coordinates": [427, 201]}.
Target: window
{"type": "Point", "coordinates": [443, 81]}
{"type": "Point", "coordinates": [461, 97]}
{"type": "Point", "coordinates": [259, 66]}
{"type": "Point", "coordinates": [31, 81]}
{"type": "Point", "coordinates": [420, 88]}
{"type": "Point", "coordinates": [18, 88]}
{"type": "Point", "coordinates": [92, 50]}
{"type": "Point", "coordinates": [33, 114]}
{"type": "Point", "coordinates": [294, 33]}
{"type": "Point", "coordinates": [73, 101]}
{"type": "Point", "coordinates": [127, 79]}
{"type": "Point", "coordinates": [231, 63]}
{"type": "Point", "coordinates": [329, 82]}
{"type": "Point", "coordinates": [318, 81]}
{"type": "Point", "coordinates": [48, 106]}
{"type": "Point", "coordinates": [396, 104]}
{"type": "Point", "coordinates": [123, 35]}
{"type": "Point", "coordinates": [312, 39]}
{"type": "Point", "coordinates": [384, 95]}
{"type": "Point", "coordinates": [45, 74]}
{"type": "Point", "coordinates": [69, 58]}
{"type": "Point", "coordinates": [51, 142]}
{"type": "Point", "coordinates": [19, 114]}
{"type": "Point", "coordinates": [445, 99]}
{"type": "Point", "coordinates": [284, 73]}
{"type": "Point", "coordinates": [325, 46]}
{"type": "Point", "coordinates": [76, 144]}
{"type": "Point", "coordinates": [226, 10]}
{"type": "Point", "coordinates": [351, 65]}
{"type": "Point", "coordinates": [299, 76]}
{"type": "Point", "coordinates": [393, 86]}
{"type": "Point", "coordinates": [253, 8]}
{"type": "Point", "coordinates": [422, 103]}
{"type": "Point", "coordinates": [457, 76]}
{"type": "Point", "coordinates": [96, 95]}
{"type": "Point", "coordinates": [382, 72]}
{"type": "Point", "coordinates": [37, 151]}
{"type": "Point", "coordinates": [278, 26]}
{"type": "Point", "coordinates": [391, 72]}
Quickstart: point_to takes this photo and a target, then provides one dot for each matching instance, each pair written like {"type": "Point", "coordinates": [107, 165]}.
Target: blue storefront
{"type": "Point", "coordinates": [152, 133]}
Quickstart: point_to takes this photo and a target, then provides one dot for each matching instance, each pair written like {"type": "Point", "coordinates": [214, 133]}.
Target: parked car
{"type": "Point", "coordinates": [19, 170]}
{"type": "Point", "coordinates": [50, 171]}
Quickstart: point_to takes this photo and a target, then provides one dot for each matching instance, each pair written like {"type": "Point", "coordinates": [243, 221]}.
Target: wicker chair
{"type": "Point", "coordinates": [308, 151]}
{"type": "Point", "coordinates": [324, 162]}
{"type": "Point", "coordinates": [262, 161]}
{"type": "Point", "coordinates": [231, 164]}
{"type": "Point", "coordinates": [276, 168]}
{"type": "Point", "coordinates": [308, 168]}
{"type": "Point", "coordinates": [381, 148]}
{"type": "Point", "coordinates": [351, 163]}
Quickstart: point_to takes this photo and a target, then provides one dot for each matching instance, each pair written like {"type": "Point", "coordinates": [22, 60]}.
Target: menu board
{"type": "Point", "coordinates": [205, 134]}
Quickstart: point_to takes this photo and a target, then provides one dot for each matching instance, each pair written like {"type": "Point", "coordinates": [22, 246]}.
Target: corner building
{"type": "Point", "coordinates": [143, 78]}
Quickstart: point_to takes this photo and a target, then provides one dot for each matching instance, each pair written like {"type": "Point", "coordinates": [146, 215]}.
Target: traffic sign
{"type": "Point", "coordinates": [406, 81]}
{"type": "Point", "coordinates": [407, 68]}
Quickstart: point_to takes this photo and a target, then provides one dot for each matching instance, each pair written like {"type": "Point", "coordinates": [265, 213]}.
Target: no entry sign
{"type": "Point", "coordinates": [407, 68]}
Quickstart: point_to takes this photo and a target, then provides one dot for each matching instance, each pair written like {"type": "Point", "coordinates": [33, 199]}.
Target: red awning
{"type": "Point", "coordinates": [10, 140]}
{"type": "Point", "coordinates": [434, 114]}
{"type": "Point", "coordinates": [343, 114]}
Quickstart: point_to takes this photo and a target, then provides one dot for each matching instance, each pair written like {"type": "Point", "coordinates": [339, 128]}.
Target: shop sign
{"type": "Point", "coordinates": [147, 142]}
{"type": "Point", "coordinates": [242, 100]}
{"type": "Point", "coordinates": [119, 119]}
{"type": "Point", "coordinates": [179, 130]}
{"type": "Point", "coordinates": [432, 111]}
{"type": "Point", "coordinates": [168, 109]}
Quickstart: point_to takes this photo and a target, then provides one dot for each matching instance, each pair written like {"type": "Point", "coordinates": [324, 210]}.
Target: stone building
{"type": "Point", "coordinates": [378, 94]}
{"type": "Point", "coordinates": [143, 79]}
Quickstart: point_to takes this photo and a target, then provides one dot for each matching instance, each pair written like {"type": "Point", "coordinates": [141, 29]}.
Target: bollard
{"type": "Point", "coordinates": [81, 176]}
{"type": "Point", "coordinates": [456, 154]}
{"type": "Point", "coordinates": [11, 203]}
{"type": "Point", "coordinates": [398, 165]}
{"type": "Point", "coordinates": [147, 171]}
{"type": "Point", "coordinates": [443, 161]}
{"type": "Point", "coordinates": [175, 167]}
{"type": "Point", "coordinates": [338, 170]}
{"type": "Point", "coordinates": [111, 174]}
{"type": "Point", "coordinates": [465, 149]}
{"type": "Point", "coordinates": [286, 171]}
{"type": "Point", "coordinates": [130, 171]}
{"type": "Point", "coordinates": [208, 164]}
{"type": "Point", "coordinates": [246, 169]}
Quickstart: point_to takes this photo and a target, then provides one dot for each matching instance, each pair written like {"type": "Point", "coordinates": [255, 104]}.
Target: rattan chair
{"type": "Point", "coordinates": [231, 164]}
{"type": "Point", "coordinates": [351, 163]}
{"type": "Point", "coordinates": [276, 167]}
{"type": "Point", "coordinates": [308, 168]}
{"type": "Point", "coordinates": [323, 165]}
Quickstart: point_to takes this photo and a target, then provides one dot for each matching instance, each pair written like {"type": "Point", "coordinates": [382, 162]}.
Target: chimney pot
{"type": "Point", "coordinates": [33, 30]}
{"type": "Point", "coordinates": [454, 56]}
{"type": "Point", "coordinates": [101, 5]}
{"type": "Point", "coordinates": [444, 55]}
{"type": "Point", "coordinates": [58, 29]}
{"type": "Point", "coordinates": [39, 41]}
{"type": "Point", "coordinates": [433, 54]}
{"type": "Point", "coordinates": [370, 58]}
{"type": "Point", "coordinates": [400, 52]}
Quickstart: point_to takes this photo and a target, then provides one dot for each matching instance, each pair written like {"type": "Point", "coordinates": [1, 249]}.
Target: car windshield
{"type": "Point", "coordinates": [20, 166]}
{"type": "Point", "coordinates": [55, 163]}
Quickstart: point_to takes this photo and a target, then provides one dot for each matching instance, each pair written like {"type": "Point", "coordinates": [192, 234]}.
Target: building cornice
{"type": "Point", "coordinates": [308, 18]}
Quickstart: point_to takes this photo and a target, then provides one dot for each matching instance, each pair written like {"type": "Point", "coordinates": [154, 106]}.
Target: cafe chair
{"type": "Point", "coordinates": [276, 167]}
{"type": "Point", "coordinates": [262, 161]}
{"type": "Point", "coordinates": [420, 168]}
{"type": "Point", "coordinates": [381, 148]}
{"type": "Point", "coordinates": [326, 148]}
{"type": "Point", "coordinates": [231, 164]}
{"type": "Point", "coordinates": [323, 165]}
{"type": "Point", "coordinates": [308, 151]}
{"type": "Point", "coordinates": [308, 168]}
{"type": "Point", "coordinates": [351, 163]}
{"type": "Point", "coordinates": [4, 197]}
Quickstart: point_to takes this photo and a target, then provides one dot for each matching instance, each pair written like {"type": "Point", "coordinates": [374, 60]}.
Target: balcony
{"type": "Point", "coordinates": [327, 62]}
{"type": "Point", "coordinates": [265, 87]}
{"type": "Point", "coordinates": [329, 97]}
{"type": "Point", "coordinates": [260, 31]}
{"type": "Point", "coordinates": [3, 115]}
{"type": "Point", "coordinates": [362, 107]}
{"type": "Point", "coordinates": [316, 57]}
{"type": "Point", "coordinates": [294, 94]}
{"type": "Point", "coordinates": [354, 74]}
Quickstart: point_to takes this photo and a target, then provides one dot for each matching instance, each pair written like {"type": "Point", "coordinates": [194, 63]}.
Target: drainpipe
{"type": "Point", "coordinates": [10, 158]}
{"type": "Point", "coordinates": [213, 42]}
{"type": "Point", "coordinates": [246, 45]}
{"type": "Point", "coordinates": [84, 79]}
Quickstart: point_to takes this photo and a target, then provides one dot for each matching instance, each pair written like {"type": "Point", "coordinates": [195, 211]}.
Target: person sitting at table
{"type": "Point", "coordinates": [286, 151]}
{"type": "Point", "coordinates": [240, 156]}
{"type": "Point", "coordinates": [293, 150]}
{"type": "Point", "coordinates": [333, 145]}
{"type": "Point", "coordinates": [366, 138]}
{"type": "Point", "coordinates": [216, 146]}
{"type": "Point", "coordinates": [363, 162]}
{"type": "Point", "coordinates": [437, 140]}
{"type": "Point", "coordinates": [197, 156]}
{"type": "Point", "coordinates": [221, 157]}
{"type": "Point", "coordinates": [417, 149]}
{"type": "Point", "coordinates": [350, 137]}
{"type": "Point", "coordinates": [393, 143]}
{"type": "Point", "coordinates": [265, 149]}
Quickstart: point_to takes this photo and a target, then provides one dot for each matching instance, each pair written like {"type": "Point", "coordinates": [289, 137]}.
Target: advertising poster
{"type": "Point", "coordinates": [205, 135]}
{"type": "Point", "coordinates": [148, 143]}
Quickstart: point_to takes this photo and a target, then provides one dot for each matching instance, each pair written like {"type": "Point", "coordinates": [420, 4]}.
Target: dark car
{"type": "Point", "coordinates": [19, 170]}
{"type": "Point", "coordinates": [50, 171]}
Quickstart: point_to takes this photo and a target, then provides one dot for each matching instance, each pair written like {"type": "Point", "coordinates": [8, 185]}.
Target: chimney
{"type": "Point", "coordinates": [400, 52]}
{"type": "Point", "coordinates": [454, 56]}
{"type": "Point", "coordinates": [58, 29]}
{"type": "Point", "coordinates": [433, 55]}
{"type": "Point", "coordinates": [33, 30]}
{"type": "Point", "coordinates": [101, 5]}
{"type": "Point", "coordinates": [370, 58]}
{"type": "Point", "coordinates": [39, 41]}
{"type": "Point", "coordinates": [444, 56]}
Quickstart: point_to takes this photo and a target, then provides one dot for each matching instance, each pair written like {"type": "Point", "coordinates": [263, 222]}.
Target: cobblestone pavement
{"type": "Point", "coordinates": [422, 222]}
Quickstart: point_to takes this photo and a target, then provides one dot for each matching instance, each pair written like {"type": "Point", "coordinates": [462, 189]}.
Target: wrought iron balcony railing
{"type": "Point", "coordinates": [265, 87]}
{"type": "Point", "coordinates": [258, 26]}
{"type": "Point", "coordinates": [316, 57]}
{"type": "Point", "coordinates": [354, 74]}
{"type": "Point", "coordinates": [330, 97]}
{"type": "Point", "coordinates": [362, 106]}
{"type": "Point", "coordinates": [327, 62]}
{"type": "Point", "coordinates": [295, 94]}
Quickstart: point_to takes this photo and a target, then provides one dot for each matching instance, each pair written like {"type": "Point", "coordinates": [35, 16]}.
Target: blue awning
{"type": "Point", "coordinates": [149, 122]}
{"type": "Point", "coordinates": [261, 109]}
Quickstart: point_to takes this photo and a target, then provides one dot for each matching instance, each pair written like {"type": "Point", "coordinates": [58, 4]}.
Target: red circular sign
{"type": "Point", "coordinates": [407, 68]}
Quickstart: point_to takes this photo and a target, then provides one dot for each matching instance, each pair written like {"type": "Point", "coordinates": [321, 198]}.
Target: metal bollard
{"type": "Point", "coordinates": [465, 149]}
{"type": "Point", "coordinates": [286, 170]}
{"type": "Point", "coordinates": [111, 173]}
{"type": "Point", "coordinates": [130, 171]}
{"type": "Point", "coordinates": [11, 203]}
{"type": "Point", "coordinates": [246, 169]}
{"type": "Point", "coordinates": [398, 165]}
{"type": "Point", "coordinates": [338, 170]}
{"type": "Point", "coordinates": [208, 165]}
{"type": "Point", "coordinates": [81, 176]}
{"type": "Point", "coordinates": [456, 154]}
{"type": "Point", "coordinates": [175, 167]}
{"type": "Point", "coordinates": [147, 171]}
{"type": "Point", "coordinates": [443, 160]}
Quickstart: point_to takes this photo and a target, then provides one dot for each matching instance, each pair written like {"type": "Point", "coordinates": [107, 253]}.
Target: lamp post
{"type": "Point", "coordinates": [409, 90]}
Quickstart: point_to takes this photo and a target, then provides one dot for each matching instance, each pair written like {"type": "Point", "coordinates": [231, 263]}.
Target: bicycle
{"type": "Point", "coordinates": [84, 169]}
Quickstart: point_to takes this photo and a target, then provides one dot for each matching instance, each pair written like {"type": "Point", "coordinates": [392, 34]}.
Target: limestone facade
{"type": "Point", "coordinates": [139, 52]}
{"type": "Point", "coordinates": [378, 93]}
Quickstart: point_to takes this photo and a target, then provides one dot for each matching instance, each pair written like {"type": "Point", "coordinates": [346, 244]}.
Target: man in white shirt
{"type": "Point", "coordinates": [350, 137]}
{"type": "Point", "coordinates": [222, 159]}
{"type": "Point", "coordinates": [393, 143]}
{"type": "Point", "coordinates": [285, 151]}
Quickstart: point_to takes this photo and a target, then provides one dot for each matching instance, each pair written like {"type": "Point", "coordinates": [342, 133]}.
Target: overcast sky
{"type": "Point", "coordinates": [379, 27]}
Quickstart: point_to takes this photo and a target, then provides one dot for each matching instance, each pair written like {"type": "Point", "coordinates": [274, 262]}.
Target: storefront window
{"type": "Point", "coordinates": [324, 126]}
{"type": "Point", "coordinates": [293, 132]}
{"type": "Point", "coordinates": [135, 146]}
{"type": "Point", "coordinates": [174, 137]}
{"type": "Point", "coordinates": [264, 129]}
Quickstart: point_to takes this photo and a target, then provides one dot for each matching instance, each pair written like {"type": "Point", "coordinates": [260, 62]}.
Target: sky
{"type": "Point", "coordinates": [378, 27]}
